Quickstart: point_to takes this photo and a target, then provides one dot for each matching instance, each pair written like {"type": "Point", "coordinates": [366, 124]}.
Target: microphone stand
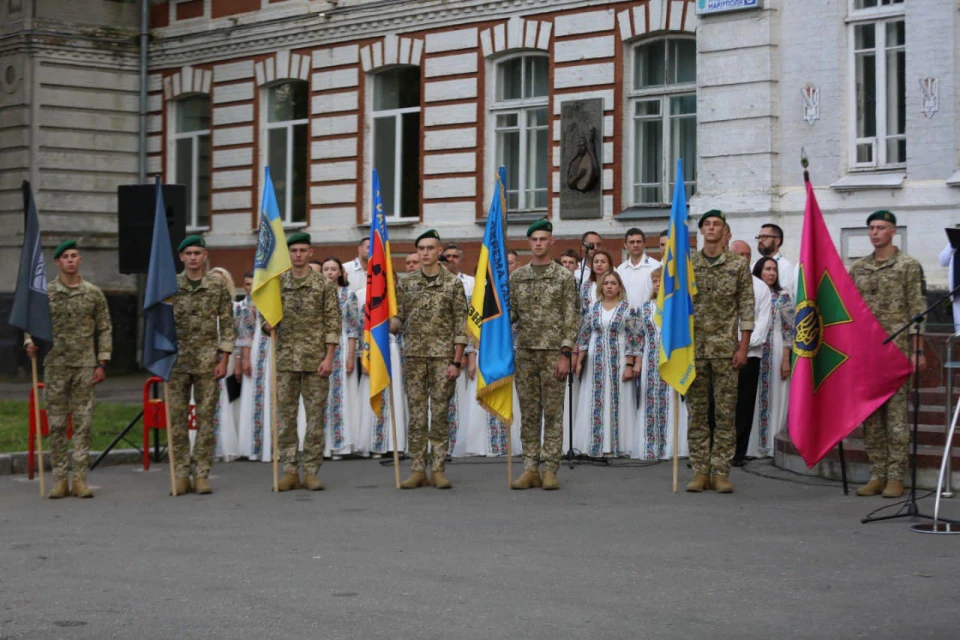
{"type": "Point", "coordinates": [570, 452]}
{"type": "Point", "coordinates": [909, 508]}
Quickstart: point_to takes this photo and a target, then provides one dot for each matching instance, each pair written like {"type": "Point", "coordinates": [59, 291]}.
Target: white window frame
{"type": "Point", "coordinates": [521, 107]}
{"type": "Point", "coordinates": [397, 114]}
{"type": "Point", "coordinates": [878, 16]}
{"type": "Point", "coordinates": [192, 222]}
{"type": "Point", "coordinates": [287, 213]}
{"type": "Point", "coordinates": [664, 93]}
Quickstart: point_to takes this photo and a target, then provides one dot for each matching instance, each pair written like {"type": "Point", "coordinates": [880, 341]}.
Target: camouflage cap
{"type": "Point", "coordinates": [540, 225]}
{"type": "Point", "coordinates": [192, 241]}
{"type": "Point", "coordinates": [63, 246]}
{"type": "Point", "coordinates": [713, 213]}
{"type": "Point", "coordinates": [882, 214]}
{"type": "Point", "coordinates": [431, 233]}
{"type": "Point", "coordinates": [299, 237]}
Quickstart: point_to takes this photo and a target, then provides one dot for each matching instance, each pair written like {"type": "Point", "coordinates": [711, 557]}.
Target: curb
{"type": "Point", "coordinates": [16, 463]}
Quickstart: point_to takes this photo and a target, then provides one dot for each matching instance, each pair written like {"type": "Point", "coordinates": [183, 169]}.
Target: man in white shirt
{"type": "Point", "coordinates": [636, 269]}
{"type": "Point", "coordinates": [356, 269]}
{"type": "Point", "coordinates": [591, 242]}
{"type": "Point", "coordinates": [948, 259]}
{"type": "Point", "coordinates": [453, 254]}
{"type": "Point", "coordinates": [749, 375]}
{"type": "Point", "coordinates": [768, 244]}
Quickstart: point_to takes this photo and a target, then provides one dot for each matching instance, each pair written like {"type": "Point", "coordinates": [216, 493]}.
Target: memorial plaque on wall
{"type": "Point", "coordinates": [581, 159]}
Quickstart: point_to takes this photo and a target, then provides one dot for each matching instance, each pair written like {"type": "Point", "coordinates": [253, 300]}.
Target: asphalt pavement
{"type": "Point", "coordinates": [613, 554]}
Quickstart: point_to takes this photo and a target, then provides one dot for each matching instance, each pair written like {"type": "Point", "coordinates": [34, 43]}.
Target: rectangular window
{"type": "Point", "coordinates": [191, 149]}
{"type": "Point", "coordinates": [286, 138]}
{"type": "Point", "coordinates": [879, 71]}
{"type": "Point", "coordinates": [396, 139]}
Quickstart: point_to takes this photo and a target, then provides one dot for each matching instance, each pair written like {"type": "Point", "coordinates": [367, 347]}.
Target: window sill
{"type": "Point", "coordinates": [641, 212]}
{"type": "Point", "coordinates": [393, 222]}
{"type": "Point", "coordinates": [954, 180]}
{"type": "Point", "coordinates": [195, 230]}
{"type": "Point", "coordinates": [290, 226]}
{"type": "Point", "coordinates": [517, 218]}
{"type": "Point", "coordinates": [871, 180]}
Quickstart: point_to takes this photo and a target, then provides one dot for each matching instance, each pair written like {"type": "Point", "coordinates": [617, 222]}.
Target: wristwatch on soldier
{"type": "Point", "coordinates": [457, 364]}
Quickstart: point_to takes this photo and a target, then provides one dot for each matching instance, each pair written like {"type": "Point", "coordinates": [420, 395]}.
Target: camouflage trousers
{"type": "Point", "coordinates": [425, 381]}
{"type": "Point", "coordinates": [541, 396]}
{"type": "Point", "coordinates": [717, 381]}
{"type": "Point", "coordinates": [290, 386]}
{"type": "Point", "coordinates": [887, 438]}
{"type": "Point", "coordinates": [205, 392]}
{"type": "Point", "coordinates": [69, 390]}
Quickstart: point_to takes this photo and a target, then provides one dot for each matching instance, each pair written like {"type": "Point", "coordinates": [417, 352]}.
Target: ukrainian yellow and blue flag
{"type": "Point", "coordinates": [488, 320]}
{"type": "Point", "coordinates": [272, 258]}
{"type": "Point", "coordinates": [675, 297]}
{"type": "Point", "coordinates": [380, 305]}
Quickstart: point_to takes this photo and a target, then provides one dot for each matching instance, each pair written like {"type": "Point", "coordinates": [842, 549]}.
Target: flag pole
{"type": "Point", "coordinates": [273, 402]}
{"type": "Point", "coordinates": [676, 436]}
{"type": "Point", "coordinates": [36, 421]}
{"type": "Point", "coordinates": [166, 410]}
{"type": "Point", "coordinates": [503, 216]}
{"type": "Point", "coordinates": [393, 431]}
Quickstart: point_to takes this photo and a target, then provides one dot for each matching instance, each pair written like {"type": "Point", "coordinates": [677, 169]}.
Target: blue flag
{"type": "Point", "coordinates": [160, 331]}
{"type": "Point", "coordinates": [31, 306]}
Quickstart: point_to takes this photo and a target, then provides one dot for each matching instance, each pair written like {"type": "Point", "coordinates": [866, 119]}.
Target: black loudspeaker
{"type": "Point", "coordinates": [135, 214]}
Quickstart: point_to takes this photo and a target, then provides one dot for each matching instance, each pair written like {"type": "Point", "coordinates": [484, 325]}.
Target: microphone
{"type": "Point", "coordinates": [588, 245]}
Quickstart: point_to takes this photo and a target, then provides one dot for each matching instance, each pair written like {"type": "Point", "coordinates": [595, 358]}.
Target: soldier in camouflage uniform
{"type": "Point", "coordinates": [307, 338]}
{"type": "Point", "coordinates": [432, 313]}
{"type": "Point", "coordinates": [82, 342]}
{"type": "Point", "coordinates": [891, 283]}
{"type": "Point", "coordinates": [724, 301]}
{"type": "Point", "coordinates": [203, 313]}
{"type": "Point", "coordinates": [544, 307]}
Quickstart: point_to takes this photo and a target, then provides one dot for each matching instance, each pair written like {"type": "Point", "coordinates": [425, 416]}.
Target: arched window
{"type": "Point", "coordinates": [191, 156]}
{"type": "Point", "coordinates": [521, 120]}
{"type": "Point", "coordinates": [396, 139]}
{"type": "Point", "coordinates": [287, 109]}
{"type": "Point", "coordinates": [663, 115]}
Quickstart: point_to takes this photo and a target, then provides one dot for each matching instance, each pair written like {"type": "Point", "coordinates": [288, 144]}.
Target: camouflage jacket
{"type": "Point", "coordinates": [893, 289]}
{"type": "Point", "coordinates": [724, 301]}
{"type": "Point", "coordinates": [545, 308]}
{"type": "Point", "coordinates": [311, 321]}
{"type": "Point", "coordinates": [432, 315]}
{"type": "Point", "coordinates": [204, 319]}
{"type": "Point", "coordinates": [78, 315]}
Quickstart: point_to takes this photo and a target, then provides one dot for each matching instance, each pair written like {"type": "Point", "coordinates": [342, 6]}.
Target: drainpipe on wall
{"type": "Point", "coordinates": [144, 39]}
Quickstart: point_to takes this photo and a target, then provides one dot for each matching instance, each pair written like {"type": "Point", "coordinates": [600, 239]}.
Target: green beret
{"type": "Point", "coordinates": [713, 213]}
{"type": "Point", "coordinates": [191, 241]}
{"type": "Point", "coordinates": [540, 225]}
{"type": "Point", "coordinates": [63, 246]}
{"type": "Point", "coordinates": [432, 233]}
{"type": "Point", "coordinates": [299, 237]}
{"type": "Point", "coordinates": [884, 215]}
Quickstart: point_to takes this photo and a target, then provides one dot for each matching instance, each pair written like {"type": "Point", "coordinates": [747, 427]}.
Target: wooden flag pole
{"type": "Point", "coordinates": [676, 436]}
{"type": "Point", "coordinates": [393, 431]}
{"type": "Point", "coordinates": [36, 421]}
{"type": "Point", "coordinates": [166, 407]}
{"type": "Point", "coordinates": [274, 412]}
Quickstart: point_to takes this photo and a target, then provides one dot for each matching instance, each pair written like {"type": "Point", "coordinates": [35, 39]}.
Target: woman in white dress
{"type": "Point", "coordinates": [342, 412]}
{"type": "Point", "coordinates": [606, 411]}
{"type": "Point", "coordinates": [224, 426]}
{"type": "Point", "coordinates": [654, 438]}
{"type": "Point", "coordinates": [485, 434]}
{"type": "Point", "coordinates": [773, 388]}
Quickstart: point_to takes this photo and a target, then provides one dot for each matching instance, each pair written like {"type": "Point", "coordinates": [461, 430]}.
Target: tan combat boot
{"type": "Point", "coordinates": [60, 489]}
{"type": "Point", "coordinates": [202, 486]}
{"type": "Point", "coordinates": [289, 481]}
{"type": "Point", "coordinates": [550, 481]}
{"type": "Point", "coordinates": [417, 479]}
{"type": "Point", "coordinates": [528, 479]}
{"type": "Point", "coordinates": [722, 484]}
{"type": "Point", "coordinates": [872, 488]}
{"type": "Point", "coordinates": [700, 483]}
{"type": "Point", "coordinates": [894, 489]}
{"type": "Point", "coordinates": [80, 488]}
{"type": "Point", "coordinates": [312, 483]}
{"type": "Point", "coordinates": [183, 486]}
{"type": "Point", "coordinates": [440, 480]}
